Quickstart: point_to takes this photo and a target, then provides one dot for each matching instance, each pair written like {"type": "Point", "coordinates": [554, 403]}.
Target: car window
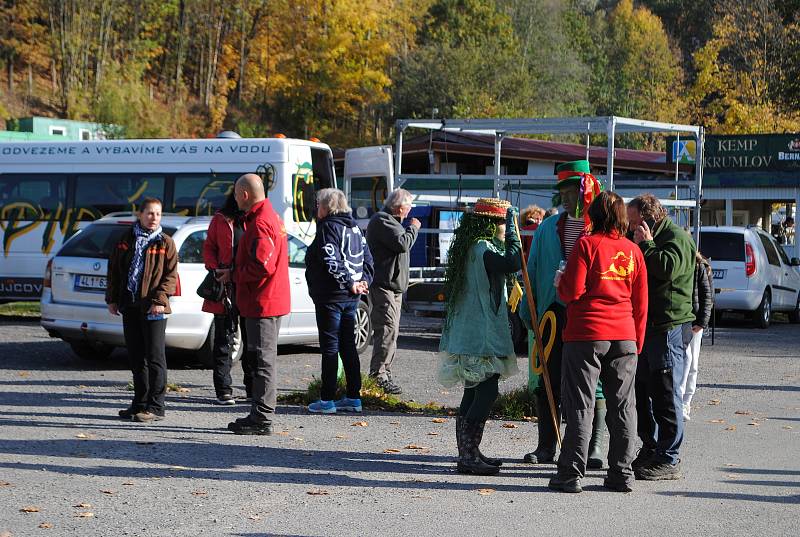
{"type": "Point", "coordinates": [192, 248]}
{"type": "Point", "coordinates": [722, 246]}
{"type": "Point", "coordinates": [772, 254]}
{"type": "Point", "coordinates": [784, 257]}
{"type": "Point", "coordinates": [32, 197]}
{"type": "Point", "coordinates": [98, 240]}
{"type": "Point", "coordinates": [297, 252]}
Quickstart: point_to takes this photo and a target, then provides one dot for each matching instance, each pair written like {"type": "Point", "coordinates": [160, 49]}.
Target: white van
{"type": "Point", "coordinates": [50, 190]}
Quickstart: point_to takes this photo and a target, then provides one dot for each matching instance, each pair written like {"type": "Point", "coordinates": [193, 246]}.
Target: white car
{"type": "Point", "coordinates": [73, 304]}
{"type": "Point", "coordinates": [751, 273]}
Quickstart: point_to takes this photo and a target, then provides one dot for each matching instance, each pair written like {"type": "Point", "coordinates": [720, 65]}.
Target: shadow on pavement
{"type": "Point", "coordinates": [758, 387]}
{"type": "Point", "coordinates": [793, 500]}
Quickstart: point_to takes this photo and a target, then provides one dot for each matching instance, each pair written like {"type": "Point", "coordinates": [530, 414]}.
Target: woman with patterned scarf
{"type": "Point", "coordinates": [142, 275]}
{"type": "Point", "coordinates": [476, 349]}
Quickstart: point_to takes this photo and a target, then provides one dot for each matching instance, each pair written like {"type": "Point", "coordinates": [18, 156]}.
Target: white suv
{"type": "Point", "coordinates": [73, 296]}
{"type": "Point", "coordinates": [751, 273]}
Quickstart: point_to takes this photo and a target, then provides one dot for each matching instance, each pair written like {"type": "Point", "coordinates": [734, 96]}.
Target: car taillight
{"type": "Point", "coordinates": [749, 260]}
{"type": "Point", "coordinates": [48, 274]}
{"type": "Point", "coordinates": [177, 285]}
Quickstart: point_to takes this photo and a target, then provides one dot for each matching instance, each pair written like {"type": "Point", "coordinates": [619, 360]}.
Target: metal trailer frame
{"type": "Point", "coordinates": [608, 125]}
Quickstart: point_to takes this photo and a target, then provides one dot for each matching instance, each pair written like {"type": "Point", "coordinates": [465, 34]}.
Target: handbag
{"type": "Point", "coordinates": [211, 288]}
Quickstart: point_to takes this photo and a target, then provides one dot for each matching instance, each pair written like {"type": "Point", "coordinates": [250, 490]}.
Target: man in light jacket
{"type": "Point", "coordinates": [390, 244]}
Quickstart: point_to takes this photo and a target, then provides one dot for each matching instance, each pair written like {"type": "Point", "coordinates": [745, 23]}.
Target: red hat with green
{"type": "Point", "coordinates": [577, 173]}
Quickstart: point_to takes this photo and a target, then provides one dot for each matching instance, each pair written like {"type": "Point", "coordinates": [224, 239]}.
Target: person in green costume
{"type": "Point", "coordinates": [553, 241]}
{"type": "Point", "coordinates": [476, 349]}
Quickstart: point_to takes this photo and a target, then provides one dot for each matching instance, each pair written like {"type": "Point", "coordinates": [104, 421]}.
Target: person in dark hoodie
{"type": "Point", "coordinates": [390, 244]}
{"type": "Point", "coordinates": [338, 271]}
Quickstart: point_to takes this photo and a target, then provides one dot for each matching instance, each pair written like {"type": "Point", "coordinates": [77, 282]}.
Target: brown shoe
{"type": "Point", "coordinates": [147, 417]}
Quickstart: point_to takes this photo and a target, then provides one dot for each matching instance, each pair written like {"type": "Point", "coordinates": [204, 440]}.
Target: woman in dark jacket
{"type": "Point", "coordinates": [218, 255]}
{"type": "Point", "coordinates": [702, 303]}
{"type": "Point", "coordinates": [338, 271]}
{"type": "Point", "coordinates": [142, 275]}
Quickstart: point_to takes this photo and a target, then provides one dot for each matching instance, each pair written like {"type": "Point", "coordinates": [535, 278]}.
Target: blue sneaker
{"type": "Point", "coordinates": [322, 407]}
{"type": "Point", "coordinates": [348, 405]}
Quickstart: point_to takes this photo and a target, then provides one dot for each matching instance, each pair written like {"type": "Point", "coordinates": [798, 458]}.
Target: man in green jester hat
{"type": "Point", "coordinates": [552, 243]}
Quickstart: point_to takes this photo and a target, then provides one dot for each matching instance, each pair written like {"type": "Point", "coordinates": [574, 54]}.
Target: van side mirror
{"type": "Point", "coordinates": [795, 262]}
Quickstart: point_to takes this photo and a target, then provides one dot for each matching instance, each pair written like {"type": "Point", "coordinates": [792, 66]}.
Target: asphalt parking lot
{"type": "Point", "coordinates": [79, 470]}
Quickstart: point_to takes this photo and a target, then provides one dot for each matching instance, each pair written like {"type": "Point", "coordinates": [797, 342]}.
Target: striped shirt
{"type": "Point", "coordinates": [573, 228]}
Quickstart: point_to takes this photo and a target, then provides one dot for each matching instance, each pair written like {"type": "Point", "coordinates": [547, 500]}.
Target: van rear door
{"type": "Point", "coordinates": [368, 179]}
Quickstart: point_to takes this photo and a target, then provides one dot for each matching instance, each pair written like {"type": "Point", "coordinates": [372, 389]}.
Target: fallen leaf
{"type": "Point", "coordinates": [733, 465]}
{"type": "Point", "coordinates": [83, 505]}
{"type": "Point", "coordinates": [83, 436]}
{"type": "Point", "coordinates": [24, 374]}
{"type": "Point", "coordinates": [129, 483]}
{"type": "Point", "coordinates": [414, 446]}
{"type": "Point", "coordinates": [283, 433]}
{"type": "Point", "coordinates": [718, 420]}
{"type": "Point", "coordinates": [81, 387]}
{"type": "Point", "coordinates": [391, 450]}
{"type": "Point", "coordinates": [439, 420]}
{"type": "Point", "coordinates": [731, 428]}
{"type": "Point", "coordinates": [84, 514]}
{"type": "Point", "coordinates": [318, 492]}
{"type": "Point", "coordinates": [340, 436]}
{"type": "Point", "coordinates": [108, 491]}
{"type": "Point", "coordinates": [394, 423]}
{"type": "Point", "coordinates": [254, 517]}
{"type": "Point", "coordinates": [743, 412]}
{"type": "Point", "coordinates": [510, 425]}
{"type": "Point", "coordinates": [754, 424]}
{"type": "Point", "coordinates": [485, 492]}
{"type": "Point", "coordinates": [433, 434]}
{"type": "Point", "coordinates": [30, 509]}
{"type": "Point", "coordinates": [45, 525]}
{"type": "Point", "coordinates": [178, 468]}
{"type": "Point", "coordinates": [714, 402]}
{"type": "Point", "coordinates": [788, 427]}
{"type": "Point", "coordinates": [199, 493]}
{"type": "Point", "coordinates": [5, 484]}
{"type": "Point", "coordinates": [297, 439]}
{"type": "Point", "coordinates": [421, 497]}
{"type": "Point", "coordinates": [360, 424]}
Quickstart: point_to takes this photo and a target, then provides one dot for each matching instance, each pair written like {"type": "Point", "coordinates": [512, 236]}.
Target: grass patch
{"type": "Point", "coordinates": [518, 404]}
{"type": "Point", "coordinates": [372, 398]}
{"type": "Point", "coordinates": [20, 309]}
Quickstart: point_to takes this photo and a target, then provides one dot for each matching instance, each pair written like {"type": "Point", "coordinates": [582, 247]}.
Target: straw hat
{"type": "Point", "coordinates": [491, 207]}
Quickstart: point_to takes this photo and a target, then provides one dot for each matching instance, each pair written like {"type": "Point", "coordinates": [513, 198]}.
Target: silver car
{"type": "Point", "coordinates": [73, 297]}
{"type": "Point", "coordinates": [751, 273]}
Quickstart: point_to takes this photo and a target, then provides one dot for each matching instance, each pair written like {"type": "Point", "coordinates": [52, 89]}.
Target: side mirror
{"type": "Point", "coordinates": [795, 262]}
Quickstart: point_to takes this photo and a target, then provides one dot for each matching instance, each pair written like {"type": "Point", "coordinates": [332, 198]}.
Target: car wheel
{"type": "Point", "coordinates": [91, 351]}
{"type": "Point", "coordinates": [363, 327]}
{"type": "Point", "coordinates": [764, 311]}
{"type": "Point", "coordinates": [794, 315]}
{"type": "Point", "coordinates": [205, 354]}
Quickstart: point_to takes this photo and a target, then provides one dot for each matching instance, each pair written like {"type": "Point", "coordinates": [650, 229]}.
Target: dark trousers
{"type": "Point", "coordinates": [222, 356]}
{"type": "Point", "coordinates": [262, 345]}
{"type": "Point", "coordinates": [547, 433]}
{"type": "Point", "coordinates": [659, 404]}
{"type": "Point", "coordinates": [145, 342]}
{"type": "Point", "coordinates": [476, 404]}
{"type": "Point", "coordinates": [613, 362]}
{"type": "Point", "coordinates": [336, 322]}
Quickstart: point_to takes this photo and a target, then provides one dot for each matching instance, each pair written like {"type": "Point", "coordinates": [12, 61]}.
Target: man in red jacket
{"type": "Point", "coordinates": [261, 273]}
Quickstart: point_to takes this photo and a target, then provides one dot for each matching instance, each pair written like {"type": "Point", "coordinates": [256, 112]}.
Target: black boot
{"type": "Point", "coordinates": [596, 458]}
{"type": "Point", "coordinates": [470, 462]}
{"type": "Point", "coordinates": [546, 448]}
{"type": "Point", "coordinates": [488, 460]}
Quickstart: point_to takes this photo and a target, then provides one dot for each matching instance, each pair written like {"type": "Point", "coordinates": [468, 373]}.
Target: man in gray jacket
{"type": "Point", "coordinates": [390, 244]}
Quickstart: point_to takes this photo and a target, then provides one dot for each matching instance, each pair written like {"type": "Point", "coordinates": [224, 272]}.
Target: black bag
{"type": "Point", "coordinates": [211, 289]}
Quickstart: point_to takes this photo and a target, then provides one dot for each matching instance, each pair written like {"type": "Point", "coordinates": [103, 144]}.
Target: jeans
{"type": "Point", "coordinates": [336, 322]}
{"type": "Point", "coordinates": [659, 403]}
{"type": "Point", "coordinates": [145, 342]}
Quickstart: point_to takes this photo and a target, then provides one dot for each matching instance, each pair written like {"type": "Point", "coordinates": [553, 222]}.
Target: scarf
{"type": "Point", "coordinates": [143, 237]}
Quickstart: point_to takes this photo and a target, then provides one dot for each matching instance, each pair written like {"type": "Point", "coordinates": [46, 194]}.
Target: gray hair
{"type": "Point", "coordinates": [333, 200]}
{"type": "Point", "coordinates": [397, 198]}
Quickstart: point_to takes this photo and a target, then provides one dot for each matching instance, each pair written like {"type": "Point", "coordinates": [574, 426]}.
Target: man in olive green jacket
{"type": "Point", "coordinates": [669, 255]}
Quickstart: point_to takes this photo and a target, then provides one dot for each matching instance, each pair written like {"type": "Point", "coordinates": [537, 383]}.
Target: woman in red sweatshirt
{"type": "Point", "coordinates": [604, 287]}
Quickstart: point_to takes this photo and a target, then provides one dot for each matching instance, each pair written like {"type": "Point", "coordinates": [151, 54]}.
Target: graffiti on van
{"type": "Point", "coordinates": [303, 192]}
{"type": "Point", "coordinates": [20, 218]}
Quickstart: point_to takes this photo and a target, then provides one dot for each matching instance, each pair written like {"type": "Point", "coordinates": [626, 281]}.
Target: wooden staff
{"type": "Point", "coordinates": [537, 333]}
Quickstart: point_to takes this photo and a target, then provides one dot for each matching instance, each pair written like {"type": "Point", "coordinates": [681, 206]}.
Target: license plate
{"type": "Point", "coordinates": [719, 273]}
{"type": "Point", "coordinates": [85, 282]}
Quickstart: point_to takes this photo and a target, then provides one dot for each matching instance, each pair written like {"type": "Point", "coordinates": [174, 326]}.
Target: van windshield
{"type": "Point", "coordinates": [721, 246]}
{"type": "Point", "coordinates": [97, 241]}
